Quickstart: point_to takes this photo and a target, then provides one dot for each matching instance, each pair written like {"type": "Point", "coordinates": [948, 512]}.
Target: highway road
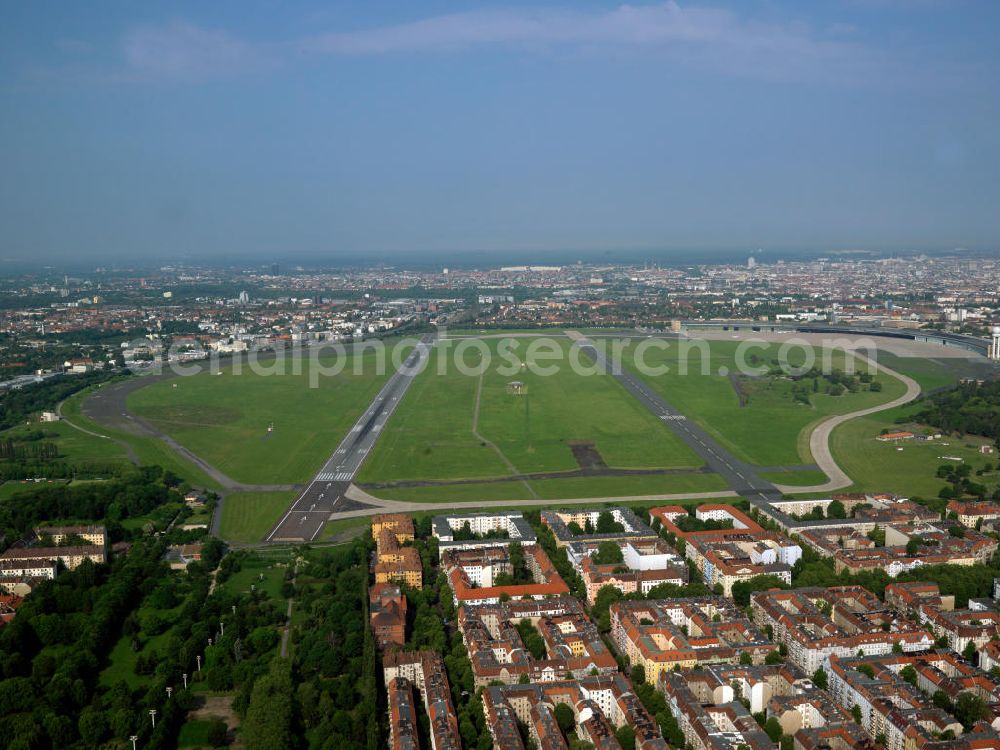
{"type": "Point", "coordinates": [741, 476]}
{"type": "Point", "coordinates": [326, 493]}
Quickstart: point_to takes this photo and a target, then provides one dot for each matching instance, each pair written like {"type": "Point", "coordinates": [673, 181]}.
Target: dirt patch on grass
{"type": "Point", "coordinates": [587, 456]}
{"type": "Point", "coordinates": [740, 387]}
{"type": "Point", "coordinates": [219, 707]}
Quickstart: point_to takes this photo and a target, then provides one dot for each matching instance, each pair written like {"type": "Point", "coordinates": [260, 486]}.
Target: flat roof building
{"type": "Point", "coordinates": [481, 530]}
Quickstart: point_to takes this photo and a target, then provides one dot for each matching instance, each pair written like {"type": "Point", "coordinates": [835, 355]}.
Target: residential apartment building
{"type": "Point", "coordinates": [564, 522]}
{"type": "Point", "coordinates": [71, 557]}
{"type": "Point", "coordinates": [573, 645]}
{"type": "Point", "coordinates": [387, 614]}
{"type": "Point", "coordinates": [894, 692]}
{"type": "Point", "coordinates": [663, 635]}
{"type": "Point", "coordinates": [395, 563]}
{"type": "Point", "coordinates": [711, 719]}
{"type": "Point", "coordinates": [816, 624]}
{"type": "Point", "coordinates": [474, 530]}
{"type": "Point", "coordinates": [93, 535]}
{"type": "Point", "coordinates": [725, 558]}
{"type": "Point", "coordinates": [472, 575]}
{"type": "Point", "coordinates": [426, 672]}
{"type": "Point", "coordinates": [644, 565]}
{"type": "Point", "coordinates": [601, 705]}
{"type": "Point", "coordinates": [923, 601]}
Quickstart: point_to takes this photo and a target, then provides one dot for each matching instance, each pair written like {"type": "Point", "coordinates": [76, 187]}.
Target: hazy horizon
{"type": "Point", "coordinates": [249, 132]}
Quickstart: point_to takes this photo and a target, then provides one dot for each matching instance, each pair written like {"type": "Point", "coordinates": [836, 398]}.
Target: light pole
{"type": "Point", "coordinates": [234, 609]}
{"type": "Point", "coordinates": [134, 737]}
{"type": "Point", "coordinates": [185, 680]}
{"type": "Point", "coordinates": [198, 657]}
{"type": "Point", "coordinates": [152, 715]}
{"type": "Point", "coordinates": [170, 692]}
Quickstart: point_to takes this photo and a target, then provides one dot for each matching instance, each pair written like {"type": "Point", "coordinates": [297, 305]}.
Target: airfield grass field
{"type": "Point", "coordinates": [907, 467]}
{"type": "Point", "coordinates": [225, 419]}
{"type": "Point", "coordinates": [554, 489]}
{"type": "Point", "coordinates": [74, 446]}
{"type": "Point", "coordinates": [771, 428]}
{"type": "Point", "coordinates": [247, 516]}
{"type": "Point", "coordinates": [932, 374]}
{"type": "Point", "coordinates": [147, 450]}
{"type": "Point", "coordinates": [432, 435]}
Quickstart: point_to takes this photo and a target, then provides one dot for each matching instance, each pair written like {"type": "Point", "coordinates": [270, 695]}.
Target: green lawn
{"type": "Point", "coordinates": [574, 487]}
{"type": "Point", "coordinates": [158, 518]}
{"type": "Point", "coordinates": [805, 478]}
{"type": "Point", "coordinates": [194, 734]}
{"type": "Point", "coordinates": [14, 487]}
{"type": "Point", "coordinates": [934, 373]}
{"type": "Point", "coordinates": [247, 516]}
{"type": "Point", "coordinates": [74, 446]}
{"type": "Point", "coordinates": [250, 574]}
{"type": "Point", "coordinates": [347, 528]}
{"type": "Point", "coordinates": [224, 418]}
{"type": "Point", "coordinates": [771, 429]}
{"type": "Point", "coordinates": [431, 437]}
{"type": "Point", "coordinates": [883, 467]}
{"type": "Point", "coordinates": [122, 659]}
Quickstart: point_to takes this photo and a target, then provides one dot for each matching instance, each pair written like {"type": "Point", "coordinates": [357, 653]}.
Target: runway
{"type": "Point", "coordinates": [741, 476]}
{"type": "Point", "coordinates": [326, 494]}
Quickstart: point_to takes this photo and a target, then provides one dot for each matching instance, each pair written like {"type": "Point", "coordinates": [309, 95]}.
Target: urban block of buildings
{"type": "Point", "coordinates": [726, 556]}
{"type": "Point", "coordinates": [423, 672]}
{"type": "Point", "coordinates": [481, 530]}
{"type": "Point", "coordinates": [908, 546]}
{"type": "Point", "coordinates": [816, 624]}
{"type": "Point", "coordinates": [472, 574]}
{"type": "Point", "coordinates": [894, 694]}
{"type": "Point", "coordinates": [667, 634]}
{"type": "Point", "coordinates": [645, 564]}
{"type": "Point", "coordinates": [395, 563]}
{"type": "Point", "coordinates": [974, 514]}
{"type": "Point", "coordinates": [573, 645]}
{"type": "Point", "coordinates": [387, 614]}
{"type": "Point", "coordinates": [601, 705]}
{"type": "Point", "coordinates": [924, 603]}
{"type": "Point", "coordinates": [588, 521]}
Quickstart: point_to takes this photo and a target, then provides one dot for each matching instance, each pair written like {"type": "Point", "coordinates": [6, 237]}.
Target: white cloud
{"type": "Point", "coordinates": [698, 35]}
{"type": "Point", "coordinates": [182, 49]}
{"type": "Point", "coordinates": [701, 34]}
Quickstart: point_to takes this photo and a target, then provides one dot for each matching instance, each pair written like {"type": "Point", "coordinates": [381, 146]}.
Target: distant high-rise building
{"type": "Point", "coordinates": [995, 343]}
{"type": "Point", "coordinates": [244, 297]}
{"type": "Point", "coordinates": [275, 270]}
{"type": "Point", "coordinates": [751, 262]}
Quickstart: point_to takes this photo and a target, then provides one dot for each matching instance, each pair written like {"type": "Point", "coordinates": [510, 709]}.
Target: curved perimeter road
{"type": "Point", "coordinates": [819, 440]}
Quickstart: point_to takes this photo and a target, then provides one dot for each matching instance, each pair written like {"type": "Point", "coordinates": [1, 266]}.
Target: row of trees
{"type": "Point", "coordinates": [17, 405]}
{"type": "Point", "coordinates": [970, 408]}
{"type": "Point", "coordinates": [334, 663]}
{"type": "Point", "coordinates": [135, 491]}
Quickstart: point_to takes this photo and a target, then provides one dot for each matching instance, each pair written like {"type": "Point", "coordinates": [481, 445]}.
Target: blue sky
{"type": "Point", "coordinates": [273, 130]}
